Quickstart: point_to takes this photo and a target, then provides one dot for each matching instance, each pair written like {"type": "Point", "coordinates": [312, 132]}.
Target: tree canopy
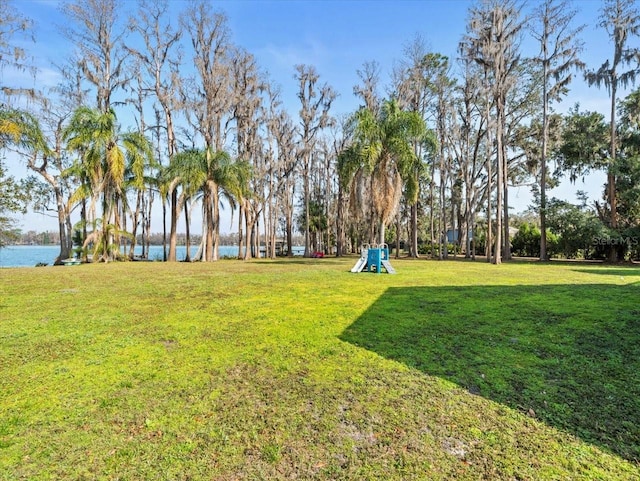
{"type": "Point", "coordinates": [161, 111]}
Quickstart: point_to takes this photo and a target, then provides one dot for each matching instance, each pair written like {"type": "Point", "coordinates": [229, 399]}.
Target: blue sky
{"type": "Point", "coordinates": [337, 37]}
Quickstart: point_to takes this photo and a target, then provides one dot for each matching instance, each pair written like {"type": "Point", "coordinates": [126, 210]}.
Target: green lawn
{"type": "Point", "coordinates": [298, 369]}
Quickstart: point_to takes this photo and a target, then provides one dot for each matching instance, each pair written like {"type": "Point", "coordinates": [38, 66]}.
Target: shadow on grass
{"type": "Point", "coordinates": [571, 354]}
{"type": "Point", "coordinates": [618, 271]}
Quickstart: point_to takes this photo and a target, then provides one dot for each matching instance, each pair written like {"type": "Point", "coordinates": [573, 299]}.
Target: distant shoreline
{"type": "Point", "coordinates": [40, 255]}
{"type": "Point", "coordinates": [127, 245]}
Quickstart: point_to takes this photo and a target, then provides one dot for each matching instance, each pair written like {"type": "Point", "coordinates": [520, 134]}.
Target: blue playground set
{"type": "Point", "coordinates": [374, 258]}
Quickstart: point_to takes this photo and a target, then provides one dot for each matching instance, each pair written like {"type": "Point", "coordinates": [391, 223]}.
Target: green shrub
{"type": "Point", "coordinates": [526, 242]}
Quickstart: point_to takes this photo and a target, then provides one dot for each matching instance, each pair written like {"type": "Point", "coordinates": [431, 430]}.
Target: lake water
{"type": "Point", "coordinates": [29, 256]}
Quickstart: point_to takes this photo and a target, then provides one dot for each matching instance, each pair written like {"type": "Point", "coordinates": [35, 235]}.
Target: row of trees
{"type": "Point", "coordinates": [436, 153]}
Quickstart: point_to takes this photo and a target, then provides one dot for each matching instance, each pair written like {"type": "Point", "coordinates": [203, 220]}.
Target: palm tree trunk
{"type": "Point", "coordinates": [414, 231]}
{"type": "Point", "coordinates": [135, 222]}
{"type": "Point", "coordinates": [208, 210]}
{"type": "Point", "coordinates": [240, 231]}
{"type": "Point", "coordinates": [187, 222]}
{"type": "Point", "coordinates": [173, 235]}
{"type": "Point", "coordinates": [248, 236]}
{"type": "Point", "coordinates": [164, 230]}
{"type": "Point", "coordinates": [381, 231]}
{"type": "Point", "coordinates": [254, 238]}
{"type": "Point", "coordinates": [215, 235]}
{"type": "Point", "coordinates": [145, 253]}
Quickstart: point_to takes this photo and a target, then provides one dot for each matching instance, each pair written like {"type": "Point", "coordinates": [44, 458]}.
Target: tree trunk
{"type": "Point", "coordinates": [442, 219]}
{"type": "Point", "coordinates": [340, 237]}
{"type": "Point", "coordinates": [468, 219]}
{"type": "Point", "coordinates": [187, 221]}
{"type": "Point", "coordinates": [135, 221]}
{"type": "Point", "coordinates": [489, 240]}
{"type": "Point", "coordinates": [506, 252]}
{"type": "Point", "coordinates": [413, 249]}
{"type": "Point", "coordinates": [248, 253]}
{"type": "Point", "coordinates": [173, 235]}
{"type": "Point", "coordinates": [255, 237]}
{"type": "Point", "coordinates": [240, 231]}
{"type": "Point", "coordinates": [431, 209]}
{"type": "Point", "coordinates": [216, 223]}
{"type": "Point", "coordinates": [543, 161]}
{"type": "Point", "coordinates": [84, 221]}
{"type": "Point", "coordinates": [66, 242]}
{"type": "Point", "coordinates": [305, 182]}
{"type": "Point", "coordinates": [148, 223]}
{"type": "Point", "coordinates": [289, 231]}
{"type": "Point", "coordinates": [612, 255]}
{"type": "Point", "coordinates": [543, 197]}
{"type": "Point", "coordinates": [269, 233]}
{"type": "Point", "coordinates": [473, 234]}
{"type": "Point", "coordinates": [398, 236]}
{"type": "Point", "coordinates": [208, 211]}
{"type": "Point", "coordinates": [497, 256]}
{"type": "Point", "coordinates": [164, 230]}
{"type": "Point", "coordinates": [454, 227]}
{"type": "Point", "coordinates": [381, 232]}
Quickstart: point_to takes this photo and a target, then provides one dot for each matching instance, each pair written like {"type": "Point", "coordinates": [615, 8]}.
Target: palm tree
{"type": "Point", "coordinates": [10, 130]}
{"type": "Point", "coordinates": [137, 176]}
{"type": "Point", "coordinates": [385, 157]}
{"type": "Point", "coordinates": [209, 176]}
{"type": "Point", "coordinates": [19, 129]}
{"type": "Point", "coordinates": [187, 171]}
{"type": "Point", "coordinates": [44, 156]}
{"type": "Point", "coordinates": [234, 179]}
{"type": "Point", "coordinates": [103, 157]}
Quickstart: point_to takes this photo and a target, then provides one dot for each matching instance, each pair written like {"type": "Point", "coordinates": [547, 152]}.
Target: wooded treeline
{"type": "Point", "coordinates": [426, 162]}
